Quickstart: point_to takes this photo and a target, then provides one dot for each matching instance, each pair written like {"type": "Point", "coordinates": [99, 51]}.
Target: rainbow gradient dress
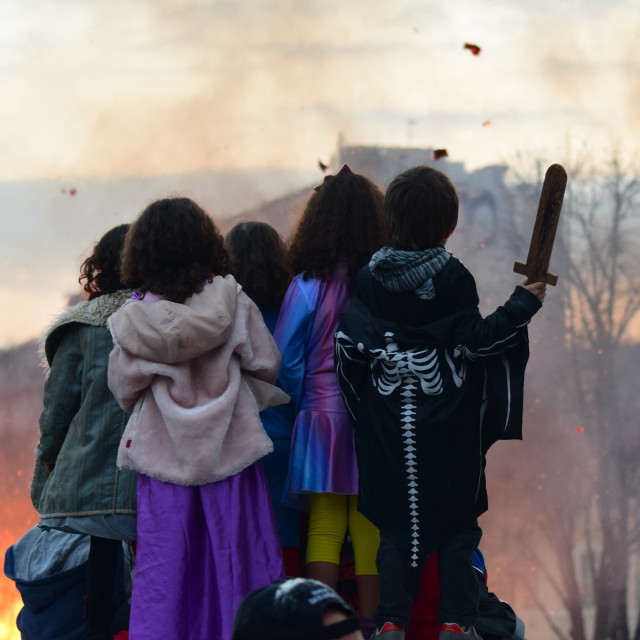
{"type": "Point", "coordinates": [322, 458]}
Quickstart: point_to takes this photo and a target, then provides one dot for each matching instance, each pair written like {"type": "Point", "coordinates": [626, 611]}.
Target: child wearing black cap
{"type": "Point", "coordinates": [295, 609]}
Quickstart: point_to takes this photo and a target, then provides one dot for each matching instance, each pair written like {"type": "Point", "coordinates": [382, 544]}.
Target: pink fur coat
{"type": "Point", "coordinates": [194, 377]}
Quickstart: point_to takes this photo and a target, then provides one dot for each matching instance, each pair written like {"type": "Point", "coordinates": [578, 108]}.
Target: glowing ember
{"type": "Point", "coordinates": [580, 429]}
{"type": "Point", "coordinates": [474, 48]}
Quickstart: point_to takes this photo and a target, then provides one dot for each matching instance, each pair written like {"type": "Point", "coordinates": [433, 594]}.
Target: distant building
{"type": "Point", "coordinates": [484, 198]}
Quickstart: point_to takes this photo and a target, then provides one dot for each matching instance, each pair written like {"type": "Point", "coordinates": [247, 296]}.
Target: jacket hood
{"type": "Point", "coordinates": [94, 313]}
{"type": "Point", "coordinates": [45, 563]}
{"type": "Point", "coordinates": [171, 332]}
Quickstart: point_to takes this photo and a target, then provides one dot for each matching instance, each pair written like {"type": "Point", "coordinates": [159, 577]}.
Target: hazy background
{"type": "Point", "coordinates": [93, 92]}
{"type": "Point", "coordinates": [108, 105]}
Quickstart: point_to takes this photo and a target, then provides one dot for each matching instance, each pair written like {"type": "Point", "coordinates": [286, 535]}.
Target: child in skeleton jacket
{"type": "Point", "coordinates": [429, 385]}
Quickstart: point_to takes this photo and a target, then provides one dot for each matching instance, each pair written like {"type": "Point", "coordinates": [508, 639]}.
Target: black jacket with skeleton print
{"type": "Point", "coordinates": [429, 386]}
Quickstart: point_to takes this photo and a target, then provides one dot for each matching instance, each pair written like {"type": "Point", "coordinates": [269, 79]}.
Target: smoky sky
{"type": "Point", "coordinates": [171, 89]}
{"type": "Point", "coordinates": [165, 86]}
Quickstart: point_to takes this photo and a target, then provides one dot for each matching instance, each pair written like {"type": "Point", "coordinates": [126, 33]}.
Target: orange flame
{"type": "Point", "coordinates": [19, 515]}
{"type": "Point", "coordinates": [11, 605]}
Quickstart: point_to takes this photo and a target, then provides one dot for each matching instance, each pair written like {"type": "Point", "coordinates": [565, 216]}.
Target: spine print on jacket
{"type": "Point", "coordinates": [407, 370]}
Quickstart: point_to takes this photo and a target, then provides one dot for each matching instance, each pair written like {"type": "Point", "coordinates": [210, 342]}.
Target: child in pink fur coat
{"type": "Point", "coordinates": [194, 364]}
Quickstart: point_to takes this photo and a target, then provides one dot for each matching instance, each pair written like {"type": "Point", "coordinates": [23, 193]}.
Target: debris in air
{"type": "Point", "coordinates": [474, 48]}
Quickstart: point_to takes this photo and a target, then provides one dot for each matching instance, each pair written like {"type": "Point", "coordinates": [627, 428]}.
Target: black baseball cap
{"type": "Point", "coordinates": [291, 610]}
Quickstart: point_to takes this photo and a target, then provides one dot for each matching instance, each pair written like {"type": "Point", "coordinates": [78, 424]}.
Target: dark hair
{"type": "Point", "coordinates": [421, 207]}
{"type": "Point", "coordinates": [343, 223]}
{"type": "Point", "coordinates": [260, 262]}
{"type": "Point", "coordinates": [101, 269]}
{"type": "Point", "coordinates": [172, 249]}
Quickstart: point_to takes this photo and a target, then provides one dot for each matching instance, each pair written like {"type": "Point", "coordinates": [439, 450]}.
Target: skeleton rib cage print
{"type": "Point", "coordinates": [410, 371]}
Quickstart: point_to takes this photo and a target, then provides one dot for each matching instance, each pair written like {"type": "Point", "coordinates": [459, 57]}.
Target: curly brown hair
{"type": "Point", "coordinates": [101, 269]}
{"type": "Point", "coordinates": [342, 224]}
{"type": "Point", "coordinates": [260, 262]}
{"type": "Point", "coordinates": [173, 249]}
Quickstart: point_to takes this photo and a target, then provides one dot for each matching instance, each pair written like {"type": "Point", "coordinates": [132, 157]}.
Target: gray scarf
{"type": "Point", "coordinates": [398, 270]}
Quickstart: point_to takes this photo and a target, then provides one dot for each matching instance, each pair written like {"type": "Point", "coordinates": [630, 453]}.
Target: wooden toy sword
{"type": "Point", "coordinates": [544, 230]}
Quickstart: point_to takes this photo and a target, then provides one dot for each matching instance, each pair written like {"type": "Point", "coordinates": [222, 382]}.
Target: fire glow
{"type": "Point", "coordinates": [18, 516]}
{"type": "Point", "coordinates": [10, 609]}
{"type": "Point", "coordinates": [10, 601]}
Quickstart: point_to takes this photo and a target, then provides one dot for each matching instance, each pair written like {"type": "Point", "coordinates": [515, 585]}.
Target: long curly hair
{"type": "Point", "coordinates": [342, 224]}
{"type": "Point", "coordinates": [260, 262]}
{"type": "Point", "coordinates": [101, 270]}
{"type": "Point", "coordinates": [173, 249]}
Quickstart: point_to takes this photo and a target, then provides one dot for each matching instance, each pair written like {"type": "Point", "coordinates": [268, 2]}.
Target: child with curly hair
{"type": "Point", "coordinates": [194, 363]}
{"type": "Point", "coordinates": [430, 385]}
{"type": "Point", "coordinates": [76, 485]}
{"type": "Point", "coordinates": [261, 266]}
{"type": "Point", "coordinates": [341, 227]}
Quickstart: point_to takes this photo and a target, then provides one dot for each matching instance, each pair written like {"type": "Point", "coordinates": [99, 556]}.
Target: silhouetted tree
{"type": "Point", "coordinates": [598, 258]}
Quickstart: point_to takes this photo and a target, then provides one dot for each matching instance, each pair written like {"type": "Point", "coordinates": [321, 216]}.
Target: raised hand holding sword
{"type": "Point", "coordinates": [536, 268]}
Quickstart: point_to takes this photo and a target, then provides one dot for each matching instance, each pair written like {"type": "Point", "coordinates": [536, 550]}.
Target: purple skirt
{"type": "Point", "coordinates": [200, 550]}
{"type": "Point", "coordinates": [323, 457]}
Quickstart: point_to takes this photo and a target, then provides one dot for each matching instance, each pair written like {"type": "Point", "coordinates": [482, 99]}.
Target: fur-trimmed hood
{"type": "Point", "coordinates": [94, 312]}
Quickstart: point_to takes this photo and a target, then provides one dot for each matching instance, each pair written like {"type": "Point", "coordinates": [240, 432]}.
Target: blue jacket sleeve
{"type": "Point", "coordinates": [292, 337]}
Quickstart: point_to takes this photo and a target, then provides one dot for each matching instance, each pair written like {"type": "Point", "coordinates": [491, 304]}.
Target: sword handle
{"type": "Point", "coordinates": [544, 231]}
{"type": "Point", "coordinates": [522, 268]}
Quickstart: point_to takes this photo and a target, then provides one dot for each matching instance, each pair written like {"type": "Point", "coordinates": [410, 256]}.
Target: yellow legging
{"type": "Point", "coordinates": [330, 515]}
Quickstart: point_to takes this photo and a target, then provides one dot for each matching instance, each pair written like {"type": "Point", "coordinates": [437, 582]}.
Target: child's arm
{"type": "Point", "coordinates": [127, 377]}
{"type": "Point", "coordinates": [480, 337]}
{"type": "Point", "coordinates": [351, 367]}
{"type": "Point", "coordinates": [291, 335]}
{"type": "Point", "coordinates": [62, 397]}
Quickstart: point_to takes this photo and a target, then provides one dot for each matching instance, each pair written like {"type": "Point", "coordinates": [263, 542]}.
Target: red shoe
{"type": "Point", "coordinates": [389, 631]}
{"type": "Point", "coordinates": [452, 631]}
